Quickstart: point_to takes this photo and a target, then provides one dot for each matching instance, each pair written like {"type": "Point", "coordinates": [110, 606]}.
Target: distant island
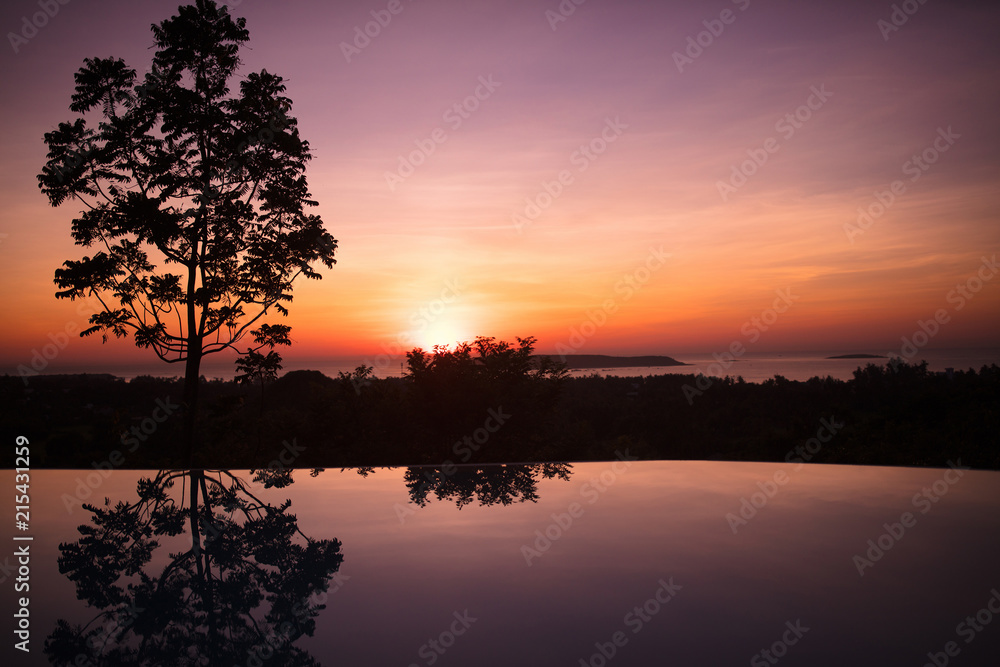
{"type": "Point", "coordinates": [584, 361]}
{"type": "Point", "coordinates": [858, 356]}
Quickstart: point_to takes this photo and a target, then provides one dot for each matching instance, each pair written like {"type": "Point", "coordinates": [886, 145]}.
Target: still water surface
{"type": "Point", "coordinates": [624, 563]}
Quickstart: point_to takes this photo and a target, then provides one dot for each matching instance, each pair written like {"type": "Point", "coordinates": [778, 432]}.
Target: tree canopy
{"type": "Point", "coordinates": [193, 191]}
{"type": "Point", "coordinates": [240, 583]}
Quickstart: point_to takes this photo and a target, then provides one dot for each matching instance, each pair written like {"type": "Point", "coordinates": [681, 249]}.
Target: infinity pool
{"type": "Point", "coordinates": [617, 563]}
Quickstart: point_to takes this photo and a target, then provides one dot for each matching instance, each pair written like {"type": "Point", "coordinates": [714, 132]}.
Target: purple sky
{"type": "Point", "coordinates": [661, 182]}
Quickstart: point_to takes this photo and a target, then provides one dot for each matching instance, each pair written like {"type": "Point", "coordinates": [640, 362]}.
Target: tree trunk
{"type": "Point", "coordinates": [195, 476]}
{"type": "Point", "coordinates": [193, 364]}
{"type": "Point", "coordinates": [191, 377]}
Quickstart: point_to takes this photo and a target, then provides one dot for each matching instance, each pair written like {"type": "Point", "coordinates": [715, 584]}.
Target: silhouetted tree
{"type": "Point", "coordinates": [262, 368]}
{"type": "Point", "coordinates": [496, 362]}
{"type": "Point", "coordinates": [211, 181]}
{"type": "Point", "coordinates": [197, 609]}
{"type": "Point", "coordinates": [490, 485]}
{"type": "Point", "coordinates": [455, 388]}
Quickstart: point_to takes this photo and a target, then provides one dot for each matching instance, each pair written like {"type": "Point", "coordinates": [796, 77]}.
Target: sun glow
{"type": "Point", "coordinates": [443, 334]}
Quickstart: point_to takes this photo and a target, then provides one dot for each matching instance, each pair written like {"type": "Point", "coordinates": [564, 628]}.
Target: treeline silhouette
{"type": "Point", "coordinates": [494, 402]}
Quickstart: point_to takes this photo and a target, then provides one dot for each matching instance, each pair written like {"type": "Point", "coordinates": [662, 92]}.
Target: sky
{"type": "Point", "coordinates": [608, 177]}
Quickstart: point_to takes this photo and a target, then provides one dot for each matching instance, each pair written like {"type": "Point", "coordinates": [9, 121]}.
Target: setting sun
{"type": "Point", "coordinates": [444, 334]}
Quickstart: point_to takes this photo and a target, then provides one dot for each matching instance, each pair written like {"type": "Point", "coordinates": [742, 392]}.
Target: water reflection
{"type": "Point", "coordinates": [196, 570]}
{"type": "Point", "coordinates": [613, 549]}
{"type": "Point", "coordinates": [490, 485]}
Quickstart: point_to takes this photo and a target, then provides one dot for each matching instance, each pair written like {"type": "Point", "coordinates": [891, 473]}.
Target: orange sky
{"type": "Point", "coordinates": [438, 256]}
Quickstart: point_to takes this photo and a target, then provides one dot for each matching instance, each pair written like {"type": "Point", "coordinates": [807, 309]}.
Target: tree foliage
{"type": "Point", "coordinates": [194, 193]}
{"type": "Point", "coordinates": [238, 555]}
{"type": "Point", "coordinates": [495, 361]}
{"type": "Point", "coordinates": [488, 485]}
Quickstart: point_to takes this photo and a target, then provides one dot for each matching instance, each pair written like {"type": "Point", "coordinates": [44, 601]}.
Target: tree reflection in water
{"type": "Point", "coordinates": [490, 485]}
{"type": "Point", "coordinates": [241, 552]}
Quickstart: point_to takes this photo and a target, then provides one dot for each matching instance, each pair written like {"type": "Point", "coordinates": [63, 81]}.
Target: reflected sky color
{"type": "Point", "coordinates": [407, 569]}
{"type": "Point", "coordinates": [656, 185]}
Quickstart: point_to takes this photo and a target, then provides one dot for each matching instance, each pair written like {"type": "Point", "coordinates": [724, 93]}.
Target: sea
{"type": "Point", "coordinates": [751, 367]}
